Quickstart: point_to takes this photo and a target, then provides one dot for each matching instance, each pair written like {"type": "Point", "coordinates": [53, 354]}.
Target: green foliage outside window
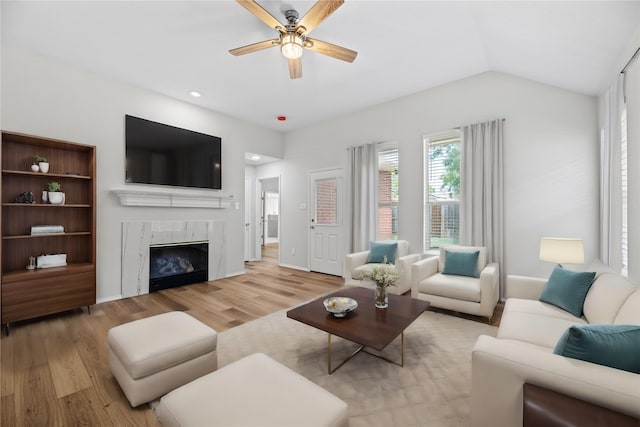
{"type": "Point", "coordinates": [451, 176]}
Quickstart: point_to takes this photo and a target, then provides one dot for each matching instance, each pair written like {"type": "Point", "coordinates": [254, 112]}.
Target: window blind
{"type": "Point", "coordinates": [442, 190]}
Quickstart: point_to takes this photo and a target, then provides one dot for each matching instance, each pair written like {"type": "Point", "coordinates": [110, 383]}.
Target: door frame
{"type": "Point", "coordinates": [341, 201]}
{"type": "Point", "coordinates": [259, 226]}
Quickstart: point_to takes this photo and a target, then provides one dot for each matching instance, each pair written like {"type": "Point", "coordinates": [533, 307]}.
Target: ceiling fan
{"type": "Point", "coordinates": [293, 37]}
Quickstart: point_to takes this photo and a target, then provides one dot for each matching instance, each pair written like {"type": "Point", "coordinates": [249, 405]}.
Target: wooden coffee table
{"type": "Point", "coordinates": [367, 325]}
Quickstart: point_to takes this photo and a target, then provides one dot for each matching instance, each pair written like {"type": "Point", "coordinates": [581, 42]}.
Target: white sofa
{"type": "Point", "coordinates": [522, 352]}
{"type": "Point", "coordinates": [356, 264]}
{"type": "Point", "coordinates": [471, 295]}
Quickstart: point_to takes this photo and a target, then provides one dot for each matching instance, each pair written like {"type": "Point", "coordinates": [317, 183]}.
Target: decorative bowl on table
{"type": "Point", "coordinates": [340, 306]}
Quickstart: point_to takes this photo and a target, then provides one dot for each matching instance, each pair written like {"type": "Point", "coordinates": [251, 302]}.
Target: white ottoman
{"type": "Point", "coordinates": [152, 356]}
{"type": "Point", "coordinates": [255, 391]}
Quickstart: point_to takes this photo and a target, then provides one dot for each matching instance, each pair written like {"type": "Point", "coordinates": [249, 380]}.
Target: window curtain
{"type": "Point", "coordinates": [611, 107]}
{"type": "Point", "coordinates": [632, 103]}
{"type": "Point", "coordinates": [362, 176]}
{"type": "Point", "coordinates": [482, 190]}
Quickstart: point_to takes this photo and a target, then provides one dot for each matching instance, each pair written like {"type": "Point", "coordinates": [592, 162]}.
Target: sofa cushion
{"type": "Point", "coordinates": [606, 296]}
{"type": "Point", "coordinates": [616, 346]}
{"type": "Point", "coordinates": [461, 263]}
{"type": "Point", "coordinates": [567, 289]}
{"type": "Point", "coordinates": [535, 322]}
{"type": "Point", "coordinates": [456, 287]}
{"type": "Point", "coordinates": [379, 251]}
{"type": "Point", "coordinates": [629, 313]}
{"type": "Point", "coordinates": [482, 255]}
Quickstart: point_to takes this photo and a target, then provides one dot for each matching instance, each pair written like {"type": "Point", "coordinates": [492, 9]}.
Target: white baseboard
{"type": "Point", "coordinates": [107, 299]}
{"type": "Point", "coordinates": [239, 273]}
{"type": "Point", "coordinates": [295, 267]}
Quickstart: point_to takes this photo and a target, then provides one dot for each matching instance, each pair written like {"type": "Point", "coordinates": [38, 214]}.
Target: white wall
{"type": "Point", "coordinates": [551, 154]}
{"type": "Point", "coordinates": [45, 98]}
{"type": "Point", "coordinates": [551, 161]}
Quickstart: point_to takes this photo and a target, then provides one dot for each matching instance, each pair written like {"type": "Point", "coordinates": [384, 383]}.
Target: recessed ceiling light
{"type": "Point", "coordinates": [255, 157]}
{"type": "Point", "coordinates": [195, 94]}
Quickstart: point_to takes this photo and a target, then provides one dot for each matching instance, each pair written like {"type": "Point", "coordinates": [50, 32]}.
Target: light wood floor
{"type": "Point", "coordinates": [54, 370]}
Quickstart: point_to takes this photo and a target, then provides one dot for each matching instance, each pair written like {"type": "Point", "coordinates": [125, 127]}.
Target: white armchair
{"type": "Point", "coordinates": [356, 264]}
{"type": "Point", "coordinates": [472, 295]}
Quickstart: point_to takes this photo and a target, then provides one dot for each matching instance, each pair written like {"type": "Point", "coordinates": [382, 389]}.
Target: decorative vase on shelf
{"type": "Point", "coordinates": [56, 197]}
{"type": "Point", "coordinates": [43, 163]}
{"type": "Point", "coordinates": [35, 168]}
{"type": "Point", "coordinates": [381, 296]}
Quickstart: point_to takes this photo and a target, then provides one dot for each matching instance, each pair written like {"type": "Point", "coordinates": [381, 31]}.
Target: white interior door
{"type": "Point", "coordinates": [257, 229]}
{"type": "Point", "coordinates": [248, 213]}
{"type": "Point", "coordinates": [326, 231]}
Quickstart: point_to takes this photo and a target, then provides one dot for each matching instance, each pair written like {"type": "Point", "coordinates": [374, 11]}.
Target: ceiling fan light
{"type": "Point", "coordinates": [291, 46]}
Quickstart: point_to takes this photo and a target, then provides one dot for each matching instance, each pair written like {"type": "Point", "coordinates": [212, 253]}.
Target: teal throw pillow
{"type": "Point", "coordinates": [461, 263]}
{"type": "Point", "coordinates": [616, 346]}
{"type": "Point", "coordinates": [567, 289]}
{"type": "Point", "coordinates": [379, 250]}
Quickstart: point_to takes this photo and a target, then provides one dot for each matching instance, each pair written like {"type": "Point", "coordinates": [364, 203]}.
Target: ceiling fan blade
{"type": "Point", "coordinates": [295, 68]}
{"type": "Point", "coordinates": [261, 13]}
{"type": "Point", "coordinates": [250, 48]}
{"type": "Point", "coordinates": [318, 13]}
{"type": "Point", "coordinates": [332, 50]}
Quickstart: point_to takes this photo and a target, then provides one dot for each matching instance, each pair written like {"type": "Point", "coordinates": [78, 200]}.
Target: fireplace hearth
{"type": "Point", "coordinates": [178, 264]}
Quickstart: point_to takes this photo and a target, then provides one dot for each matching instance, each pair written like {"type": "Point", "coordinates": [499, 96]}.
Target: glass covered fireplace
{"type": "Point", "coordinates": [178, 264]}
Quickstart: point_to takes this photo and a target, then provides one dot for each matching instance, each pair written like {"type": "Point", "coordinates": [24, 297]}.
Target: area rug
{"type": "Point", "coordinates": [432, 389]}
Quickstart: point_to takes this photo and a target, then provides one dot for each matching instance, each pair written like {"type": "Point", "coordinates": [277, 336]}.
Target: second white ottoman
{"type": "Point", "coordinates": [150, 357]}
{"type": "Point", "coordinates": [255, 391]}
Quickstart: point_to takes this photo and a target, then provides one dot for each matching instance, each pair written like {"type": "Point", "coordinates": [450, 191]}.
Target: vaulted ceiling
{"type": "Point", "coordinates": [173, 47]}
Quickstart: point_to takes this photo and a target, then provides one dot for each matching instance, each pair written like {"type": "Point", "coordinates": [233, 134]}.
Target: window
{"type": "Point", "coordinates": [326, 201]}
{"type": "Point", "coordinates": [442, 189]}
{"type": "Point", "coordinates": [387, 193]}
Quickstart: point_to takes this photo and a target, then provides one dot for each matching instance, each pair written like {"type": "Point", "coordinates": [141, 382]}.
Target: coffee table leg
{"type": "Point", "coordinates": [329, 354]}
{"type": "Point", "coordinates": [402, 350]}
{"type": "Point", "coordinates": [331, 370]}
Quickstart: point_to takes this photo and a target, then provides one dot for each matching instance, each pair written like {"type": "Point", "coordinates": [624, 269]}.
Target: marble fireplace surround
{"type": "Point", "coordinates": [137, 236]}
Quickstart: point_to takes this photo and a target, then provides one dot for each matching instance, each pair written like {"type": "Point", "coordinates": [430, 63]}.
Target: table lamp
{"type": "Point", "coordinates": [562, 250]}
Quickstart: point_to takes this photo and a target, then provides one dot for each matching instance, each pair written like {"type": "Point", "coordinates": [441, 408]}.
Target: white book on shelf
{"type": "Point", "coordinates": [46, 229]}
{"type": "Point", "coordinates": [48, 261]}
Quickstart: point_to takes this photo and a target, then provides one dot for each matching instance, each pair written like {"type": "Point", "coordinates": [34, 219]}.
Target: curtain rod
{"type": "Point", "coordinates": [460, 127]}
{"type": "Point", "coordinates": [630, 61]}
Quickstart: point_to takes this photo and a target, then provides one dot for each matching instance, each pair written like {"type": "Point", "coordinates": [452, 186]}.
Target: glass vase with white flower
{"type": "Point", "coordinates": [383, 276]}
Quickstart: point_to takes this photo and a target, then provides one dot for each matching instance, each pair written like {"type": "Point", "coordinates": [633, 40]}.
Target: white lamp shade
{"type": "Point", "coordinates": [562, 250]}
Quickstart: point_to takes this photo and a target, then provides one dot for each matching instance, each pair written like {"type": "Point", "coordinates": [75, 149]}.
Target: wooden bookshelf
{"type": "Point", "coordinates": [32, 293]}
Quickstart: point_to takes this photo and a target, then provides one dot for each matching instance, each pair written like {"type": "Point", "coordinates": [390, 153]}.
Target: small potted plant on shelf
{"type": "Point", "coordinates": [43, 164]}
{"type": "Point", "coordinates": [56, 196]}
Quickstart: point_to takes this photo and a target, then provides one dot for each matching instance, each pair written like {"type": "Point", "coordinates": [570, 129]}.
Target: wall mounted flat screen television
{"type": "Point", "coordinates": [160, 154]}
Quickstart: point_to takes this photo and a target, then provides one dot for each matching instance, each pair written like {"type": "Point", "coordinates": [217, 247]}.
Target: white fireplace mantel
{"type": "Point", "coordinates": [171, 199]}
